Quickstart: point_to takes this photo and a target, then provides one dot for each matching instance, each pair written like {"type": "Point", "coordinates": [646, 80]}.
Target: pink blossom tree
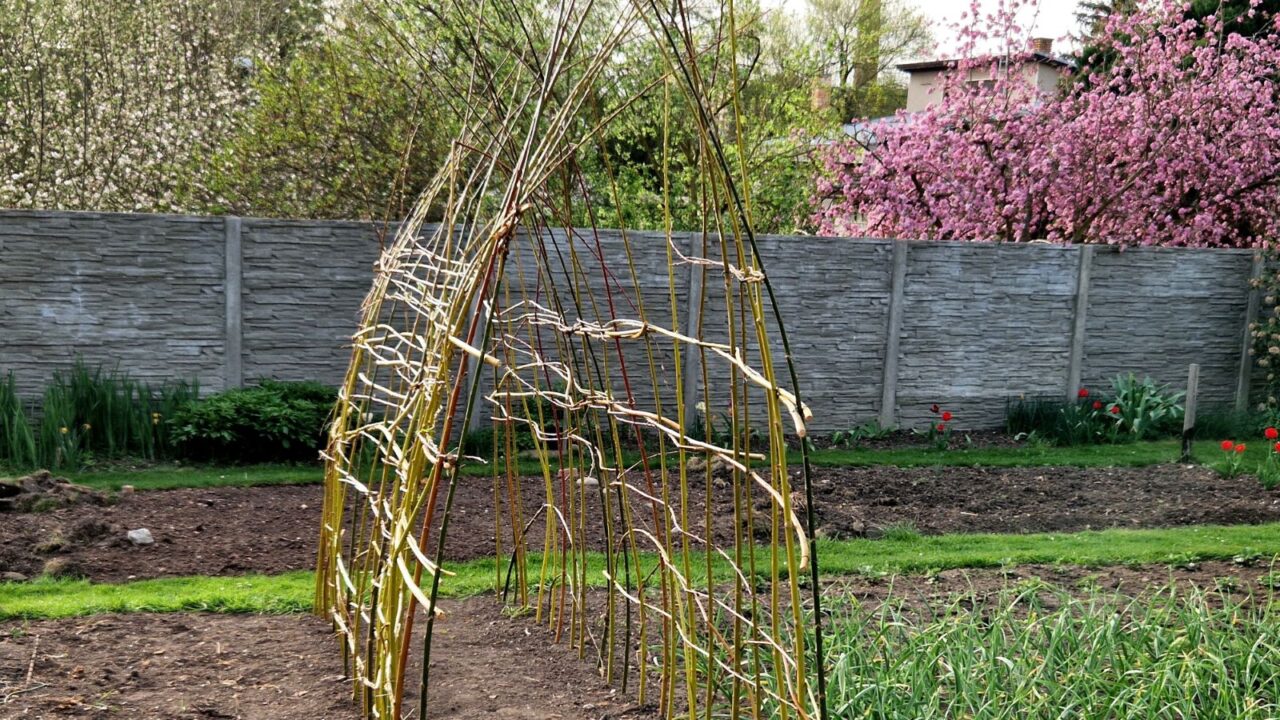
{"type": "Point", "coordinates": [1176, 142]}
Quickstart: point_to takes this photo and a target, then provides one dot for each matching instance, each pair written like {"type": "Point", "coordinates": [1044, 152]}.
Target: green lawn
{"type": "Point", "coordinates": [169, 477]}
{"type": "Point", "coordinates": [1123, 455]}
{"type": "Point", "coordinates": [165, 477]}
{"type": "Point", "coordinates": [291, 592]}
{"type": "Point", "coordinates": [1093, 548]}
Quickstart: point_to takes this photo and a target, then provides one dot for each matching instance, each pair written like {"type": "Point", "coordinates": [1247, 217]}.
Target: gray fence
{"type": "Point", "coordinates": [880, 329]}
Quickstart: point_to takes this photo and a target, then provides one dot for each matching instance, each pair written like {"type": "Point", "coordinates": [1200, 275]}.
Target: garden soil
{"type": "Point", "coordinates": [196, 666]}
{"type": "Point", "coordinates": [228, 531]}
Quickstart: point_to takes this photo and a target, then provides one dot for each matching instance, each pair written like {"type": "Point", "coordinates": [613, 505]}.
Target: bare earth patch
{"type": "Point", "coordinates": [229, 531]}
{"type": "Point", "coordinates": [197, 665]}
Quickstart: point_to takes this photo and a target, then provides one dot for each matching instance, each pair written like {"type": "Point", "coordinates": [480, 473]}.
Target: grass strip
{"type": "Point", "coordinates": [1138, 454]}
{"type": "Point", "coordinates": [291, 592]}
{"type": "Point", "coordinates": [1088, 549]}
{"type": "Point", "coordinates": [168, 477]}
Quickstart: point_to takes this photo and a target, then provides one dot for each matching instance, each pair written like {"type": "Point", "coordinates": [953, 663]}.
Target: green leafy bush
{"type": "Point", "coordinates": [1220, 422]}
{"type": "Point", "coordinates": [480, 443]}
{"type": "Point", "coordinates": [274, 421]}
{"type": "Point", "coordinates": [1146, 408]}
{"type": "Point", "coordinates": [1134, 410]}
{"type": "Point", "coordinates": [850, 438]}
{"type": "Point", "coordinates": [1080, 423]}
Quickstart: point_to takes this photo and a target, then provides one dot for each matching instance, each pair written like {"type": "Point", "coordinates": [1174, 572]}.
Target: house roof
{"type": "Point", "coordinates": [1038, 57]}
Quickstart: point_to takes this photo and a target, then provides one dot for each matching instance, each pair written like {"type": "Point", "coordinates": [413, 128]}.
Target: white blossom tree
{"type": "Point", "coordinates": [104, 104]}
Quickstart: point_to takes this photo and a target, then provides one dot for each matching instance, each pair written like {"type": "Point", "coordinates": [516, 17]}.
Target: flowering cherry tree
{"type": "Point", "coordinates": [1175, 142]}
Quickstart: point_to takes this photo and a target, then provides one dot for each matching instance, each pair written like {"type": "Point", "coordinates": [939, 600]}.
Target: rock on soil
{"type": "Point", "coordinates": [42, 491]}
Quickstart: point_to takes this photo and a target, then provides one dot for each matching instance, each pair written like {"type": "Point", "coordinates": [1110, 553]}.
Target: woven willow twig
{"type": "Point", "coordinates": [502, 311]}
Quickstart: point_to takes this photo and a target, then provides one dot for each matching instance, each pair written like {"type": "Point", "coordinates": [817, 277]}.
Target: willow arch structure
{"type": "Point", "coordinates": [647, 428]}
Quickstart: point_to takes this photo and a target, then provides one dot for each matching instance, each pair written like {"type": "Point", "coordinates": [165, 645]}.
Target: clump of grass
{"type": "Point", "coordinates": [60, 441]}
{"type": "Point", "coordinates": [1035, 651]}
{"type": "Point", "coordinates": [89, 413]}
{"type": "Point", "coordinates": [1229, 423]}
{"type": "Point", "coordinates": [1038, 415]}
{"type": "Point", "coordinates": [904, 531]}
{"type": "Point", "coordinates": [17, 439]}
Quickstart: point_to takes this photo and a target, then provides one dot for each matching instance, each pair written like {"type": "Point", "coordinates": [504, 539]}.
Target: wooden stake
{"type": "Point", "coordinates": [1189, 416]}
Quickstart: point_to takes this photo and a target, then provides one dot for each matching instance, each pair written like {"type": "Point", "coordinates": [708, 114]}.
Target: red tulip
{"type": "Point", "coordinates": [1228, 445]}
{"type": "Point", "coordinates": [941, 427]}
{"type": "Point", "coordinates": [1278, 447]}
{"type": "Point", "coordinates": [1240, 448]}
{"type": "Point", "coordinates": [1097, 404]}
{"type": "Point", "coordinates": [1084, 393]}
{"type": "Point", "coordinates": [934, 408]}
{"type": "Point", "coordinates": [1115, 409]}
{"type": "Point", "coordinates": [946, 416]}
{"type": "Point", "coordinates": [1271, 433]}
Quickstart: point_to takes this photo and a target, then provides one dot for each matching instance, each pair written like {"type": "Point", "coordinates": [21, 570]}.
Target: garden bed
{"type": "Point", "coordinates": [911, 439]}
{"type": "Point", "coordinates": [486, 665]}
{"type": "Point", "coordinates": [228, 531]}
{"type": "Point", "coordinates": [283, 667]}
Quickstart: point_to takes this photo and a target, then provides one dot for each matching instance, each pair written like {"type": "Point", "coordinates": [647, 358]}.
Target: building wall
{"type": "Point", "coordinates": [977, 324]}
{"type": "Point", "coordinates": [924, 87]}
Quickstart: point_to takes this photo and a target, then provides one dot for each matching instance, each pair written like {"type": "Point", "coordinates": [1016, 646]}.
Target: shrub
{"type": "Point", "coordinates": [479, 443]}
{"type": "Point", "coordinates": [1136, 410]}
{"type": "Point", "coordinates": [1083, 422]}
{"type": "Point", "coordinates": [1145, 408]}
{"type": "Point", "coordinates": [1226, 422]}
{"type": "Point", "coordinates": [89, 413]}
{"type": "Point", "coordinates": [274, 421]}
{"type": "Point", "coordinates": [850, 438]}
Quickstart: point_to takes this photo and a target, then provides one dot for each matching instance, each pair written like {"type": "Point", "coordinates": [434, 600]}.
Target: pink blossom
{"type": "Point", "coordinates": [1178, 143]}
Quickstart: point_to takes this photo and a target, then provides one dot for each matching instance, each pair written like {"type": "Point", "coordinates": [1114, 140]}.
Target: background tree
{"type": "Point", "coordinates": [343, 108]}
{"type": "Point", "coordinates": [774, 72]}
{"type": "Point", "coordinates": [779, 67]}
{"type": "Point", "coordinates": [103, 101]}
{"type": "Point", "coordinates": [351, 126]}
{"type": "Point", "coordinates": [1245, 17]}
{"type": "Point", "coordinates": [858, 43]}
{"type": "Point", "coordinates": [1175, 143]}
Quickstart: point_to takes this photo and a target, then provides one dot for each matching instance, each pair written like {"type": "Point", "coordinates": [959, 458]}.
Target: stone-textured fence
{"type": "Point", "coordinates": [881, 329]}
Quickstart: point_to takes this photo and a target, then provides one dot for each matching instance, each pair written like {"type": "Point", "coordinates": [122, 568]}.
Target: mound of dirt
{"type": "Point", "coordinates": [42, 491]}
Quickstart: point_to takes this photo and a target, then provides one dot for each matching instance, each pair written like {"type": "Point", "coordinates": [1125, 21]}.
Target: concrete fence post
{"type": "Point", "coordinates": [1244, 374]}
{"type": "Point", "coordinates": [1079, 322]}
{"type": "Point", "coordinates": [893, 332]}
{"type": "Point", "coordinates": [233, 288]}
